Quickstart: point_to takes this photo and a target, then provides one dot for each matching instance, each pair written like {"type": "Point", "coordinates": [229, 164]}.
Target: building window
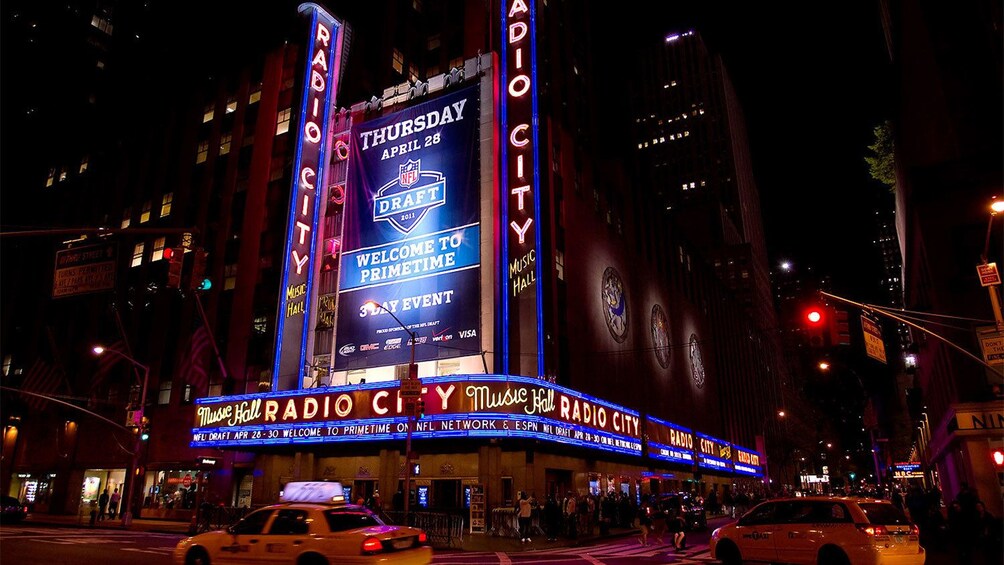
{"type": "Point", "coordinates": [202, 153]}
{"type": "Point", "coordinates": [416, 5]}
{"type": "Point", "coordinates": [282, 123]}
{"type": "Point", "coordinates": [208, 113]}
{"type": "Point", "coordinates": [51, 178]}
{"type": "Point", "coordinates": [225, 140]}
{"type": "Point", "coordinates": [102, 24]}
{"type": "Point", "coordinates": [397, 61]}
{"type": "Point", "coordinates": [231, 105]}
{"type": "Point", "coordinates": [412, 73]}
{"type": "Point", "coordinates": [144, 216]}
{"type": "Point", "coordinates": [255, 95]}
{"type": "Point", "coordinates": [137, 255]}
{"type": "Point", "coordinates": [230, 276]}
{"type": "Point", "coordinates": [158, 249]}
{"type": "Point", "coordinates": [165, 204]}
{"type": "Point", "coordinates": [83, 164]}
{"type": "Point", "coordinates": [126, 217]}
{"type": "Point", "coordinates": [164, 394]}
{"type": "Point", "coordinates": [457, 63]}
{"type": "Point", "coordinates": [559, 264]}
{"type": "Point", "coordinates": [260, 325]}
{"type": "Point", "coordinates": [62, 174]}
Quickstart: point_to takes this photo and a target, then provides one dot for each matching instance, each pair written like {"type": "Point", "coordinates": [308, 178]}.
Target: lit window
{"type": "Point", "coordinates": [144, 216]}
{"type": "Point", "coordinates": [225, 140]}
{"type": "Point", "coordinates": [646, 144]}
{"type": "Point", "coordinates": [260, 325]}
{"type": "Point", "coordinates": [164, 394]}
{"type": "Point", "coordinates": [62, 174]}
{"type": "Point", "coordinates": [701, 111]}
{"type": "Point", "coordinates": [412, 73]}
{"type": "Point", "coordinates": [202, 153]}
{"type": "Point", "coordinates": [207, 114]}
{"type": "Point", "coordinates": [230, 276]}
{"type": "Point", "coordinates": [231, 105]}
{"type": "Point", "coordinates": [51, 178]}
{"type": "Point", "coordinates": [137, 255]}
{"type": "Point", "coordinates": [684, 186]}
{"type": "Point", "coordinates": [672, 83]}
{"type": "Point", "coordinates": [255, 95]}
{"type": "Point", "coordinates": [457, 63]}
{"type": "Point", "coordinates": [703, 183]}
{"type": "Point", "coordinates": [639, 146]}
{"type": "Point", "coordinates": [559, 264]}
{"type": "Point", "coordinates": [83, 164]}
{"type": "Point", "coordinates": [397, 61]}
{"type": "Point", "coordinates": [432, 42]}
{"type": "Point", "coordinates": [158, 249]}
{"type": "Point", "coordinates": [126, 217]}
{"type": "Point", "coordinates": [692, 185]}
{"type": "Point", "coordinates": [686, 133]}
{"type": "Point", "coordinates": [283, 121]}
{"type": "Point", "coordinates": [416, 5]}
{"type": "Point", "coordinates": [165, 204]}
{"type": "Point", "coordinates": [101, 64]}
{"type": "Point", "coordinates": [745, 274]}
{"type": "Point", "coordinates": [102, 24]}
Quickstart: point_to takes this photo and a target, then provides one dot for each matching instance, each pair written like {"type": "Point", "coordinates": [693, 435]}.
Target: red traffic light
{"type": "Point", "coordinates": [814, 316]}
{"type": "Point", "coordinates": [998, 456]}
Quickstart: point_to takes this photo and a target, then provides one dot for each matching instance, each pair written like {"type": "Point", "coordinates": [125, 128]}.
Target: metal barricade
{"type": "Point", "coordinates": [505, 522]}
{"type": "Point", "coordinates": [442, 528]}
{"type": "Point", "coordinates": [220, 517]}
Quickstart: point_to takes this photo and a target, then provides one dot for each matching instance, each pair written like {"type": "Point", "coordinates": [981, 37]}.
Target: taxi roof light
{"type": "Point", "coordinates": [322, 492]}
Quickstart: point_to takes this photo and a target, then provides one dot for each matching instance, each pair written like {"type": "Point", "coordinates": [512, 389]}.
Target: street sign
{"type": "Point", "coordinates": [411, 388]}
{"type": "Point", "coordinates": [82, 270]}
{"type": "Point", "coordinates": [988, 274]}
{"type": "Point", "coordinates": [874, 346]}
{"type": "Point", "coordinates": [992, 344]}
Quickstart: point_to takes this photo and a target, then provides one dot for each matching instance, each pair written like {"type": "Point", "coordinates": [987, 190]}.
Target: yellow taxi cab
{"type": "Point", "coordinates": [312, 525]}
{"type": "Point", "coordinates": [820, 530]}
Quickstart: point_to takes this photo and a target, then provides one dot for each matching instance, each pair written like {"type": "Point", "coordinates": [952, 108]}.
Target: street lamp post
{"type": "Point", "coordinates": [780, 414]}
{"type": "Point", "coordinates": [134, 461]}
{"type": "Point", "coordinates": [409, 409]}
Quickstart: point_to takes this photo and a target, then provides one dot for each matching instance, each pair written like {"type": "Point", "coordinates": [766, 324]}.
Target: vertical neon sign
{"type": "Point", "coordinates": [522, 334]}
{"type": "Point", "coordinates": [297, 290]}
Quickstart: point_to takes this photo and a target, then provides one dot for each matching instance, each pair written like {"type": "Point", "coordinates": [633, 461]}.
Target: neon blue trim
{"type": "Point", "coordinates": [536, 191]}
{"type": "Point", "coordinates": [504, 199]}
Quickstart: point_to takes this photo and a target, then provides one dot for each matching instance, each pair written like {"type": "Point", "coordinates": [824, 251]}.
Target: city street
{"type": "Point", "coordinates": [23, 544]}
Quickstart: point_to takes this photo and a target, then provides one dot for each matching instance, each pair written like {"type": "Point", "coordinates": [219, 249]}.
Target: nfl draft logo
{"type": "Point", "coordinates": [405, 201]}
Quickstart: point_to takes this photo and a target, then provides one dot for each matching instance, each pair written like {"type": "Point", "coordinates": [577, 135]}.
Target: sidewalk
{"type": "Point", "coordinates": [138, 524]}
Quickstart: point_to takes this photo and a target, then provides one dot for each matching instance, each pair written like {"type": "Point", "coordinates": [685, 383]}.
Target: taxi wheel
{"type": "Point", "coordinates": [833, 556]}
{"type": "Point", "coordinates": [197, 556]}
{"type": "Point", "coordinates": [728, 553]}
{"type": "Point", "coordinates": [311, 559]}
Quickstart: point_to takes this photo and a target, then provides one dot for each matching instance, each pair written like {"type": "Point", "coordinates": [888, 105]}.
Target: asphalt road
{"type": "Point", "coordinates": [38, 544]}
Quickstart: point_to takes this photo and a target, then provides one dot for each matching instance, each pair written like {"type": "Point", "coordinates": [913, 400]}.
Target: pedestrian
{"type": "Point", "coordinates": [988, 531]}
{"type": "Point", "coordinates": [644, 521]}
{"type": "Point", "coordinates": [524, 518]}
{"type": "Point", "coordinates": [103, 505]}
{"type": "Point", "coordinates": [113, 503]}
{"type": "Point", "coordinates": [730, 503]}
{"type": "Point", "coordinates": [552, 517]}
{"type": "Point", "coordinates": [571, 516]}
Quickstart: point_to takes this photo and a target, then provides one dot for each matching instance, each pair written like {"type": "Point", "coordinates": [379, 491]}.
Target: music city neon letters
{"type": "Point", "coordinates": [518, 137]}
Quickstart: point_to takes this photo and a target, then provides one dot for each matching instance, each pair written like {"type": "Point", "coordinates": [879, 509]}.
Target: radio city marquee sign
{"type": "Point", "coordinates": [323, 54]}
{"type": "Point", "coordinates": [669, 442]}
{"type": "Point", "coordinates": [521, 297]}
{"type": "Point", "coordinates": [713, 453]}
{"type": "Point", "coordinates": [746, 462]}
{"type": "Point", "coordinates": [459, 406]}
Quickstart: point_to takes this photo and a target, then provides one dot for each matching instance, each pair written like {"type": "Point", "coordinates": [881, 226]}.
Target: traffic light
{"type": "Point", "coordinates": [420, 408]}
{"type": "Point", "coordinates": [998, 456]}
{"type": "Point", "coordinates": [199, 280]}
{"type": "Point", "coordinates": [816, 321]}
{"type": "Point", "coordinates": [176, 260]}
{"type": "Point", "coordinates": [144, 429]}
{"type": "Point", "coordinates": [840, 332]}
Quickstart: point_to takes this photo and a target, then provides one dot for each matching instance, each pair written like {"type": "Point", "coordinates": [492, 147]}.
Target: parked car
{"type": "Point", "coordinates": [312, 525]}
{"type": "Point", "coordinates": [820, 530]}
{"type": "Point", "coordinates": [12, 510]}
{"type": "Point", "coordinates": [691, 506]}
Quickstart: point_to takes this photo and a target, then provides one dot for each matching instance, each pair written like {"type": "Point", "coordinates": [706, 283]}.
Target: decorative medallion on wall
{"type": "Point", "coordinates": [660, 336]}
{"type": "Point", "coordinates": [615, 305]}
{"type": "Point", "coordinates": [329, 471]}
{"type": "Point", "coordinates": [446, 469]}
{"type": "Point", "coordinates": [363, 471]}
{"type": "Point", "coordinates": [696, 362]}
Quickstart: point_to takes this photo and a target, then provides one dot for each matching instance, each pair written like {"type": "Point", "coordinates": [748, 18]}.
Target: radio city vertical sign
{"type": "Point", "coordinates": [521, 293]}
{"type": "Point", "coordinates": [322, 55]}
{"type": "Point", "coordinates": [411, 240]}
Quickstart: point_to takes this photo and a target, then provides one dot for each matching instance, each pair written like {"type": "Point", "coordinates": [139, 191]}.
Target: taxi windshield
{"type": "Point", "coordinates": [340, 519]}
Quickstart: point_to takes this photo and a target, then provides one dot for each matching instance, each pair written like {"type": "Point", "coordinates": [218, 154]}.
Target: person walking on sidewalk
{"type": "Point", "coordinates": [102, 505]}
{"type": "Point", "coordinates": [113, 503]}
{"type": "Point", "coordinates": [571, 516]}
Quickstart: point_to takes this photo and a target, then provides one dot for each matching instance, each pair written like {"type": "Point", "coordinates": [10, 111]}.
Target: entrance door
{"type": "Point", "coordinates": [557, 482]}
{"type": "Point", "coordinates": [446, 494]}
{"type": "Point", "coordinates": [362, 490]}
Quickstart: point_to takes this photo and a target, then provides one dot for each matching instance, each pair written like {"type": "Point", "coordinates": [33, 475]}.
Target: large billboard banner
{"type": "Point", "coordinates": [411, 241]}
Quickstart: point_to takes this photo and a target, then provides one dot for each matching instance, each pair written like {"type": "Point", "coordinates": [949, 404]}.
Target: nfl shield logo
{"type": "Point", "coordinates": [409, 172]}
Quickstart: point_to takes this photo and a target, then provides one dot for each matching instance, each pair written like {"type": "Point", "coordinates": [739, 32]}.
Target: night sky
{"type": "Point", "coordinates": [813, 82]}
